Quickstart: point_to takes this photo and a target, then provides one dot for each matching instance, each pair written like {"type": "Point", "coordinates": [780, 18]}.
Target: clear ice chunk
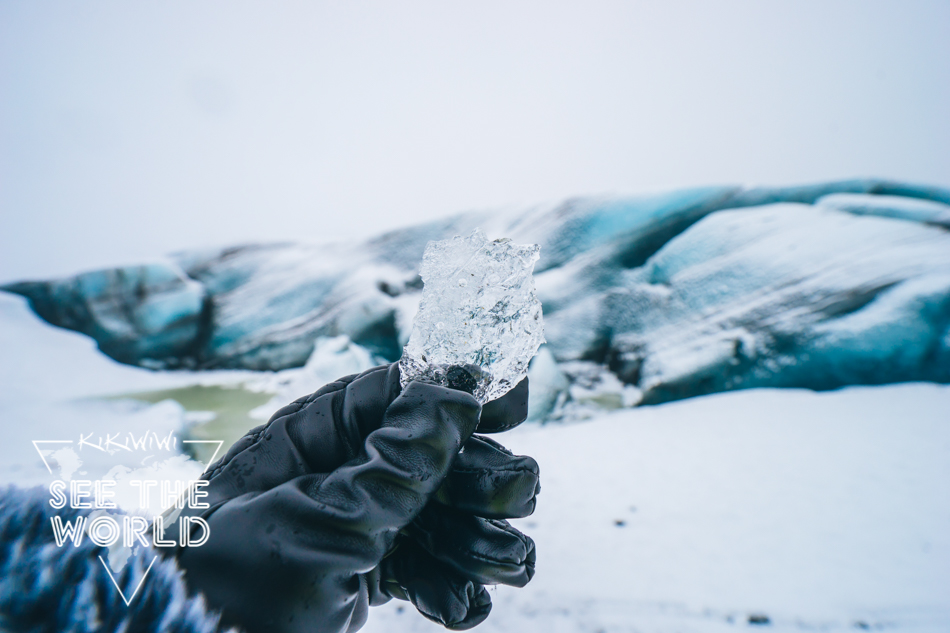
{"type": "Point", "coordinates": [479, 321]}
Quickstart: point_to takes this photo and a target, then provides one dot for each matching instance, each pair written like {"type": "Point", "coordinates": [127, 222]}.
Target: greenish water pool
{"type": "Point", "coordinates": [231, 406]}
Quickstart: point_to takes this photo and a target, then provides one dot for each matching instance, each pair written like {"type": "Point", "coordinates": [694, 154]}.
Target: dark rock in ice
{"type": "Point", "coordinates": [460, 378]}
{"type": "Point", "coordinates": [759, 619]}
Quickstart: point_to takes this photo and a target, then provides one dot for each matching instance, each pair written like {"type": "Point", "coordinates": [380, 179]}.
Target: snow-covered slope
{"type": "Point", "coordinates": [657, 297]}
{"type": "Point", "coordinates": [820, 511]}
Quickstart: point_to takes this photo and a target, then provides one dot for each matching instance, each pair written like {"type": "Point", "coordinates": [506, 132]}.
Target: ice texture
{"type": "Point", "coordinates": [479, 321]}
{"type": "Point", "coordinates": [677, 294]}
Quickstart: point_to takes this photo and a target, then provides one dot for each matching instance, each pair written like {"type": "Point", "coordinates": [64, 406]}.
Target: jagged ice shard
{"type": "Point", "coordinates": [479, 321]}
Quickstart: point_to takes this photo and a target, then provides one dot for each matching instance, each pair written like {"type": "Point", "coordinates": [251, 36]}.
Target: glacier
{"type": "Point", "coordinates": [784, 295]}
{"type": "Point", "coordinates": [149, 315]}
{"type": "Point", "coordinates": [646, 299]}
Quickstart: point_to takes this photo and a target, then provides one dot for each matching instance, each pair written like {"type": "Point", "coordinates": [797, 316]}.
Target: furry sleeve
{"type": "Point", "coordinates": [45, 588]}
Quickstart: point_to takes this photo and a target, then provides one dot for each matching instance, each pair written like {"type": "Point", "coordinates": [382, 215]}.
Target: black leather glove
{"type": "Point", "coordinates": [358, 493]}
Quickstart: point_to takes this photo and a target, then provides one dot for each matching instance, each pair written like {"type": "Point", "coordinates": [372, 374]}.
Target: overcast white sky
{"type": "Point", "coordinates": [129, 129]}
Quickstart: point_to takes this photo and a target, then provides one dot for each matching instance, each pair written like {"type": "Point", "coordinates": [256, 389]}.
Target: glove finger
{"type": "Point", "coordinates": [506, 412]}
{"type": "Point", "coordinates": [403, 462]}
{"type": "Point", "coordinates": [487, 480]}
{"type": "Point", "coordinates": [298, 546]}
{"type": "Point", "coordinates": [329, 426]}
{"type": "Point", "coordinates": [487, 551]}
{"type": "Point", "coordinates": [436, 591]}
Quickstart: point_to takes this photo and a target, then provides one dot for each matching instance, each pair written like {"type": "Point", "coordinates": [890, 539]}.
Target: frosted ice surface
{"type": "Point", "coordinates": [479, 311]}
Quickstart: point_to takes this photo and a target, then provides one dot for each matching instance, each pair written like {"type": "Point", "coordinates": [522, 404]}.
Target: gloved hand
{"type": "Point", "coordinates": [358, 493]}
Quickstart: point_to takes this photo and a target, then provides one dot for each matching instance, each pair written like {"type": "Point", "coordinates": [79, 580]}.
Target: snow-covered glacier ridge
{"type": "Point", "coordinates": [646, 299]}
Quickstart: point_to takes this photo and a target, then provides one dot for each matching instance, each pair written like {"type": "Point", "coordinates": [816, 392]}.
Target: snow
{"type": "Point", "coordinates": [58, 386]}
{"type": "Point", "coordinates": [925, 211]}
{"type": "Point", "coordinates": [822, 511]}
{"type": "Point", "coordinates": [819, 510]}
{"type": "Point", "coordinates": [43, 363]}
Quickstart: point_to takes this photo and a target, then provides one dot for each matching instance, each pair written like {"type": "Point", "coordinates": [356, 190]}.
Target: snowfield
{"type": "Point", "coordinates": [819, 511]}
{"type": "Point", "coordinates": [816, 511]}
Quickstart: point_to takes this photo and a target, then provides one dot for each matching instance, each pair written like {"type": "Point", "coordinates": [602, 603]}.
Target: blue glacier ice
{"type": "Point", "coordinates": [784, 295]}
{"type": "Point", "coordinates": [646, 299]}
{"type": "Point", "coordinates": [151, 315]}
{"type": "Point", "coordinates": [913, 210]}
